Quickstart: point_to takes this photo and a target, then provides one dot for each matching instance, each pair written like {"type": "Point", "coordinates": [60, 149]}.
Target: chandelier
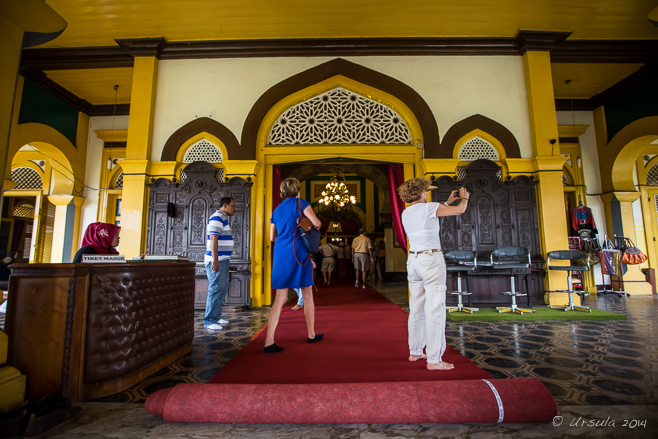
{"type": "Point", "coordinates": [336, 194]}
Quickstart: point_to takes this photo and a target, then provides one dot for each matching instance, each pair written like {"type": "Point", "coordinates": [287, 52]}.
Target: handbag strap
{"type": "Point", "coordinates": [294, 236]}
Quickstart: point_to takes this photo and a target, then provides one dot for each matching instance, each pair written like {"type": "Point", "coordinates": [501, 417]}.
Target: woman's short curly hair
{"type": "Point", "coordinates": [289, 188]}
{"type": "Point", "coordinates": [412, 189]}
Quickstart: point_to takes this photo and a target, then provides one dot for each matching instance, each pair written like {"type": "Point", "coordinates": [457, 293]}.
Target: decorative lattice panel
{"type": "Point", "coordinates": [219, 175]}
{"type": "Point", "coordinates": [655, 201]}
{"type": "Point", "coordinates": [339, 117]}
{"type": "Point", "coordinates": [118, 184]}
{"type": "Point", "coordinates": [652, 175]}
{"type": "Point", "coordinates": [477, 148]}
{"type": "Point", "coordinates": [461, 173]}
{"type": "Point", "coordinates": [26, 178]}
{"type": "Point", "coordinates": [203, 151]}
{"type": "Point", "coordinates": [24, 210]}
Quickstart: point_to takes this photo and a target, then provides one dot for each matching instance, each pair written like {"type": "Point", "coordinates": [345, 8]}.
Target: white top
{"type": "Point", "coordinates": [422, 226]}
{"type": "Point", "coordinates": [218, 225]}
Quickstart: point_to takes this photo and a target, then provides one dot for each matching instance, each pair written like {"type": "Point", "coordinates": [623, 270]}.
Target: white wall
{"type": "Point", "coordinates": [93, 166]}
{"type": "Point", "coordinates": [454, 87]}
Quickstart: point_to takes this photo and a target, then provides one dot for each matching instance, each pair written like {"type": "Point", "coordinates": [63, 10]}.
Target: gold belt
{"type": "Point", "coordinates": [427, 251]}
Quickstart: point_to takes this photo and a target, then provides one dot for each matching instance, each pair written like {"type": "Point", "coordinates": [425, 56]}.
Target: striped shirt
{"type": "Point", "coordinates": [218, 225]}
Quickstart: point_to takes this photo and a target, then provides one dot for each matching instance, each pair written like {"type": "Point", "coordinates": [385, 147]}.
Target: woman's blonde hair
{"type": "Point", "coordinates": [412, 189]}
{"type": "Point", "coordinates": [289, 188]}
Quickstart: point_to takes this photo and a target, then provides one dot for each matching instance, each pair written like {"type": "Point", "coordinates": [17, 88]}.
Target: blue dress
{"type": "Point", "coordinates": [286, 272]}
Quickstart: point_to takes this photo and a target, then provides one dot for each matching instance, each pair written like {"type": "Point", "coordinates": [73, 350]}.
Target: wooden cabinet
{"type": "Point", "coordinates": [178, 215]}
{"type": "Point", "coordinates": [500, 214]}
{"type": "Point", "coordinates": [86, 331]}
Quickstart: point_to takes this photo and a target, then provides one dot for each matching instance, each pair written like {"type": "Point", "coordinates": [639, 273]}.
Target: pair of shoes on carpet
{"type": "Point", "coordinates": [214, 327]}
{"type": "Point", "coordinates": [356, 284]}
{"type": "Point", "coordinates": [51, 411]}
{"type": "Point", "coordinates": [272, 348]}
{"type": "Point", "coordinates": [364, 286]}
{"type": "Point", "coordinates": [317, 338]}
{"type": "Point", "coordinates": [296, 307]}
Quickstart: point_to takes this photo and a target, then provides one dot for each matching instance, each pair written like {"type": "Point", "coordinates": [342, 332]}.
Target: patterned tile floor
{"type": "Point", "coordinates": [594, 369]}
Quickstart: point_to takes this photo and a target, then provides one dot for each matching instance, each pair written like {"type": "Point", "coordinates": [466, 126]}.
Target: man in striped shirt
{"type": "Point", "coordinates": [219, 246]}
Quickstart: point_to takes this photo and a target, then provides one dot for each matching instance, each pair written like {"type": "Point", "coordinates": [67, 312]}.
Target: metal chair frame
{"type": "Point", "coordinates": [514, 259]}
{"type": "Point", "coordinates": [572, 256]}
{"type": "Point", "coordinates": [464, 258]}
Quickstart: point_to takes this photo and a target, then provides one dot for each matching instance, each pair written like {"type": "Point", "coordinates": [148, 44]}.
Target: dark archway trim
{"type": "Point", "coordinates": [350, 70]}
{"type": "Point", "coordinates": [200, 125]}
{"type": "Point", "coordinates": [465, 126]}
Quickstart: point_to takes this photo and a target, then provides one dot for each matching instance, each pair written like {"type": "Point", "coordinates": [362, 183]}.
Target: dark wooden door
{"type": "Point", "coordinates": [500, 214]}
{"type": "Point", "coordinates": [178, 215]}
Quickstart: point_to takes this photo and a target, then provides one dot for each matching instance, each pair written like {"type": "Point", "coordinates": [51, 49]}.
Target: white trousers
{"type": "Point", "coordinates": [427, 305]}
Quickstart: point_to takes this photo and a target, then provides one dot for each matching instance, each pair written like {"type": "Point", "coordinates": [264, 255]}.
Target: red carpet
{"type": "Point", "coordinates": [521, 400]}
{"type": "Point", "coordinates": [365, 341]}
{"type": "Point", "coordinates": [358, 374]}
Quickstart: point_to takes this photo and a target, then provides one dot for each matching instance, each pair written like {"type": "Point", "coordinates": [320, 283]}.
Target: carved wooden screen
{"type": "Point", "coordinates": [178, 215]}
{"type": "Point", "coordinates": [500, 214]}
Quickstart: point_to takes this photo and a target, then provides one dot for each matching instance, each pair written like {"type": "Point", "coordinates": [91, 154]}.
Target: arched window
{"type": "Point", "coordinates": [340, 117]}
{"type": "Point", "coordinates": [652, 176]}
{"type": "Point", "coordinates": [475, 149]}
{"type": "Point", "coordinates": [203, 151]}
{"type": "Point", "coordinates": [26, 178]}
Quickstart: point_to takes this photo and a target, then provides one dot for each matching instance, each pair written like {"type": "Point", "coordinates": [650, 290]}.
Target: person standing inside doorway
{"type": "Point", "coordinates": [362, 256]}
{"type": "Point", "coordinates": [426, 270]}
{"type": "Point", "coordinates": [328, 252]}
{"type": "Point", "coordinates": [219, 246]}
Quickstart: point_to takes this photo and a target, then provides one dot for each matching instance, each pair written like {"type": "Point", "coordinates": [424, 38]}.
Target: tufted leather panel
{"type": "Point", "coordinates": [136, 316]}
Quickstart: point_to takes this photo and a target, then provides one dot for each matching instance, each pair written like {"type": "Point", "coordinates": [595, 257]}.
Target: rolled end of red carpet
{"type": "Point", "coordinates": [512, 400]}
{"type": "Point", "coordinates": [155, 403]}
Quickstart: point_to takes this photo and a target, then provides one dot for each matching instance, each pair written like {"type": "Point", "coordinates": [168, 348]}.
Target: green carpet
{"type": "Point", "coordinates": [541, 313]}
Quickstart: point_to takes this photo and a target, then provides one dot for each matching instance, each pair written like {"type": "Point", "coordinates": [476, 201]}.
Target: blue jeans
{"type": "Point", "coordinates": [300, 297]}
{"type": "Point", "coordinates": [217, 291]}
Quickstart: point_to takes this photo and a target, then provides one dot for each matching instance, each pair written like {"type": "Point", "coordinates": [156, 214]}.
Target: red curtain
{"type": "Point", "coordinates": [395, 179]}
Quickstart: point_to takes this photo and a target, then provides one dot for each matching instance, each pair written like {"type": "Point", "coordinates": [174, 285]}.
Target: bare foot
{"type": "Point", "coordinates": [417, 357]}
{"type": "Point", "coordinates": [296, 307]}
{"type": "Point", "coordinates": [441, 365]}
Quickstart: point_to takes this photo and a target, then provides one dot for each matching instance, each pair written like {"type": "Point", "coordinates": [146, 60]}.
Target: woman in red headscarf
{"type": "Point", "coordinates": [99, 239]}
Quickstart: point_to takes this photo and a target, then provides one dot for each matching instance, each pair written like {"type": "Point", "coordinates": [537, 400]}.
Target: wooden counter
{"type": "Point", "coordinates": [86, 331]}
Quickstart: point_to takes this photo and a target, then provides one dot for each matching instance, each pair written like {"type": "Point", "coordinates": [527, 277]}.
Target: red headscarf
{"type": "Point", "coordinates": [100, 236]}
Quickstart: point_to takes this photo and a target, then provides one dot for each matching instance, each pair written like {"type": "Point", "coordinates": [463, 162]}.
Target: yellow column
{"type": "Point", "coordinates": [17, 18]}
{"type": "Point", "coordinates": [553, 230]}
{"type": "Point", "coordinates": [61, 203]}
{"type": "Point", "coordinates": [10, 52]}
{"type": "Point", "coordinates": [541, 103]}
{"type": "Point", "coordinates": [262, 265]}
{"type": "Point", "coordinates": [138, 156]}
{"type": "Point", "coordinates": [634, 280]}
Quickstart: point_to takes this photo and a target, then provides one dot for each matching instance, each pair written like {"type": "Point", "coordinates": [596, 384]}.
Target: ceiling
{"type": "Point", "coordinates": [98, 23]}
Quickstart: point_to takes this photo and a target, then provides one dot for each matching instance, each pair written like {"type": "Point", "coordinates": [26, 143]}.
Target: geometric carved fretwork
{"type": "Point", "coordinates": [339, 116]}
{"type": "Point", "coordinates": [652, 176]}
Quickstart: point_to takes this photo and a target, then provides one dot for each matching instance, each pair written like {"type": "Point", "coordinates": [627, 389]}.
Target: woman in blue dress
{"type": "Point", "coordinates": [287, 272]}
